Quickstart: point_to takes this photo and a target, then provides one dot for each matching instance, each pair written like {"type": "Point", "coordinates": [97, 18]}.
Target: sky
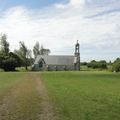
{"type": "Point", "coordinates": [58, 24]}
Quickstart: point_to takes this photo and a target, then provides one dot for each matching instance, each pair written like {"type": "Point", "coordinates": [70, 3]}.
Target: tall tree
{"type": "Point", "coordinates": [36, 49]}
{"type": "Point", "coordinates": [24, 53]}
{"type": "Point", "coordinates": [44, 51]}
{"type": "Point", "coordinates": [4, 44]}
{"type": "Point", "coordinates": [8, 60]}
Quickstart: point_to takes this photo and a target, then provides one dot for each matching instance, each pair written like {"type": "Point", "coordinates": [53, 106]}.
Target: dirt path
{"type": "Point", "coordinates": [27, 100]}
{"type": "Point", "coordinates": [7, 101]}
{"type": "Point", "coordinates": [47, 109]}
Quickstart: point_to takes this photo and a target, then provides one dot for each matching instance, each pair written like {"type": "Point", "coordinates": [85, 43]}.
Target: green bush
{"type": "Point", "coordinates": [116, 65]}
{"type": "Point", "coordinates": [97, 64]}
{"type": "Point", "coordinates": [9, 62]}
{"type": "Point", "coordinates": [83, 63]}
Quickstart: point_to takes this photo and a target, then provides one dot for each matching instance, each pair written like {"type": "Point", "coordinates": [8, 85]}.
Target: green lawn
{"type": "Point", "coordinates": [93, 95]}
{"type": "Point", "coordinates": [9, 79]}
{"type": "Point", "coordinates": [84, 95]}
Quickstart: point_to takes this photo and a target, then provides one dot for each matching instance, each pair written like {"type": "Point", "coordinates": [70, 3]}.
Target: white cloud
{"type": "Point", "coordinates": [59, 29]}
{"type": "Point", "coordinates": [77, 2]}
{"type": "Point", "coordinates": [71, 3]}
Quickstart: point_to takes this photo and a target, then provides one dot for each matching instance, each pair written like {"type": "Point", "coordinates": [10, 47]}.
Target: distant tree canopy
{"type": "Point", "coordinates": [8, 60]}
{"type": "Point", "coordinates": [44, 51]}
{"type": "Point", "coordinates": [4, 44]}
{"type": "Point", "coordinates": [37, 50]}
{"type": "Point", "coordinates": [97, 64]}
{"type": "Point", "coordinates": [83, 63]}
{"type": "Point", "coordinates": [116, 65]}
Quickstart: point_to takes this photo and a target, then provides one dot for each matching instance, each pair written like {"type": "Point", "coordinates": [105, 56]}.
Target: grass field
{"type": "Point", "coordinates": [9, 79]}
{"type": "Point", "coordinates": [84, 95]}
{"type": "Point", "coordinates": [60, 96]}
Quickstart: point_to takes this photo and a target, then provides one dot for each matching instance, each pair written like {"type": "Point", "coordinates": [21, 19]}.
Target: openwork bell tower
{"type": "Point", "coordinates": [77, 56]}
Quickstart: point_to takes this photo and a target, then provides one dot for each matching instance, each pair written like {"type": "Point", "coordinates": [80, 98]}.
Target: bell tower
{"type": "Point", "coordinates": [77, 56]}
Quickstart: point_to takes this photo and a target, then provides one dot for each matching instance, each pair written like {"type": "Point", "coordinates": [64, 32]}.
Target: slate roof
{"type": "Point", "coordinates": [56, 59]}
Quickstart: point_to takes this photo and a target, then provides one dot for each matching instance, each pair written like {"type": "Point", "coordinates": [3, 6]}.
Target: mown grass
{"type": "Point", "coordinates": [84, 95]}
{"type": "Point", "coordinates": [8, 79]}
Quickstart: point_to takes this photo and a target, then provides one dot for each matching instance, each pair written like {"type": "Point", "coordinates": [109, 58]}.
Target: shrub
{"type": "Point", "coordinates": [83, 63]}
{"type": "Point", "coordinates": [97, 64]}
{"type": "Point", "coordinates": [9, 62]}
{"type": "Point", "coordinates": [116, 65]}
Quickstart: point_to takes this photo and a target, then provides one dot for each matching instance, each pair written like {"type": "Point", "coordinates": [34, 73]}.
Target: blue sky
{"type": "Point", "coordinates": [57, 24]}
{"type": "Point", "coordinates": [33, 4]}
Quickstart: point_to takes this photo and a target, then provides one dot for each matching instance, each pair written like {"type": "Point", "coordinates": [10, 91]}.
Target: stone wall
{"type": "Point", "coordinates": [53, 67]}
{"type": "Point", "coordinates": [60, 68]}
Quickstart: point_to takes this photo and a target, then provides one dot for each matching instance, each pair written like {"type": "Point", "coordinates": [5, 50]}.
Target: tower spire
{"type": "Point", "coordinates": [77, 41]}
{"type": "Point", "coordinates": [77, 47]}
{"type": "Point", "coordinates": [77, 56]}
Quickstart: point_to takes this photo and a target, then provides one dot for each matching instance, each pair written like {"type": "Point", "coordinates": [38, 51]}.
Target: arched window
{"type": "Point", "coordinates": [40, 64]}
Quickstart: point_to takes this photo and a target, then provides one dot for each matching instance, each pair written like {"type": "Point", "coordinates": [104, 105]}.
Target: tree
{"type": "Point", "coordinates": [117, 60]}
{"type": "Point", "coordinates": [116, 65]}
{"type": "Point", "coordinates": [44, 51]}
{"type": "Point", "coordinates": [1, 60]}
{"type": "Point", "coordinates": [36, 49]}
{"type": "Point", "coordinates": [83, 63]}
{"type": "Point", "coordinates": [24, 53]}
{"type": "Point", "coordinates": [30, 60]}
{"type": "Point", "coordinates": [4, 44]}
{"type": "Point", "coordinates": [9, 62]}
{"type": "Point", "coordinates": [97, 64]}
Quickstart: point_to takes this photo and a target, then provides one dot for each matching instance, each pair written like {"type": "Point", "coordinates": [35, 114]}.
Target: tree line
{"type": "Point", "coordinates": [21, 57]}
{"type": "Point", "coordinates": [103, 65]}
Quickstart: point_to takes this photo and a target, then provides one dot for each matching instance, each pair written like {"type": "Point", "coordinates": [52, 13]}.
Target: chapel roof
{"type": "Point", "coordinates": [56, 59]}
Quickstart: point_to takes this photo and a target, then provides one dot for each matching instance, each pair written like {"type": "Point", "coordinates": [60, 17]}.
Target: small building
{"type": "Point", "coordinates": [58, 62]}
